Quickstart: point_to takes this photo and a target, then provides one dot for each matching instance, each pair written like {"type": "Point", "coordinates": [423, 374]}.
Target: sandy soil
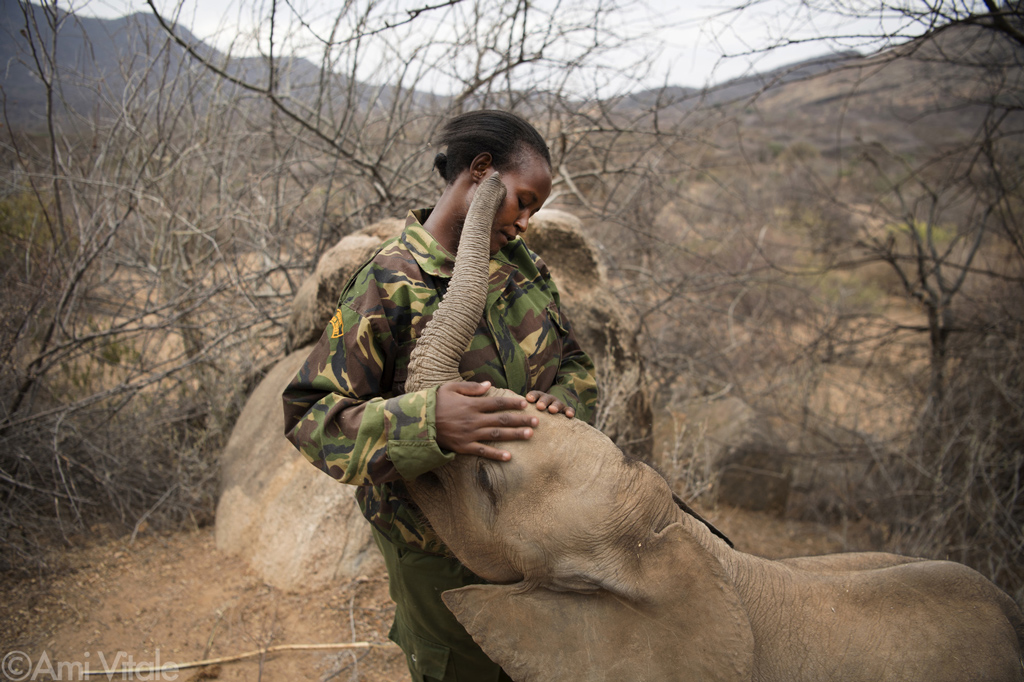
{"type": "Point", "coordinates": [176, 598]}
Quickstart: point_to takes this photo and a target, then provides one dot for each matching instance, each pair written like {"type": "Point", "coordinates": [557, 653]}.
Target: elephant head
{"type": "Point", "coordinates": [586, 547]}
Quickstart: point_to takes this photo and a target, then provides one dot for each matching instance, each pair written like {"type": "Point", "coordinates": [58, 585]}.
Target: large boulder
{"type": "Point", "coordinates": [302, 529]}
{"type": "Point", "coordinates": [317, 298]}
{"type": "Point", "coordinates": [297, 527]}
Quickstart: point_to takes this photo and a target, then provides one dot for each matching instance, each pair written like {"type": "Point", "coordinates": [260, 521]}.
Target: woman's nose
{"type": "Point", "coordinates": [522, 221]}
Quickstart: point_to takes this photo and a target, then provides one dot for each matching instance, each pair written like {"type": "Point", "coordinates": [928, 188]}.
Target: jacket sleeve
{"type": "Point", "coordinates": [575, 383]}
{"type": "Point", "coordinates": [339, 411]}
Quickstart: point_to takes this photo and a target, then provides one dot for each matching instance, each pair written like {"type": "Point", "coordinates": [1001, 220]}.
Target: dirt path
{"type": "Point", "coordinates": [176, 598]}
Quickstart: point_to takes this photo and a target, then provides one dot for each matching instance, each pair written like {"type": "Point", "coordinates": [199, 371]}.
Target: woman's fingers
{"type": "Point", "coordinates": [465, 420]}
{"type": "Point", "coordinates": [546, 401]}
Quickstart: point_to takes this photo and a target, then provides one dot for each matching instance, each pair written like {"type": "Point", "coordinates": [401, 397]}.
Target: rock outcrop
{"type": "Point", "coordinates": [317, 298]}
{"type": "Point", "coordinates": [298, 528]}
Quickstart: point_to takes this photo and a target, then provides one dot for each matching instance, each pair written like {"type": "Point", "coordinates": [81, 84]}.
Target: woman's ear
{"type": "Point", "coordinates": [688, 624]}
{"type": "Point", "coordinates": [481, 167]}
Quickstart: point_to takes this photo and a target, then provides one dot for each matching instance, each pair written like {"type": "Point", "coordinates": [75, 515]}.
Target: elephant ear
{"type": "Point", "coordinates": [687, 624]}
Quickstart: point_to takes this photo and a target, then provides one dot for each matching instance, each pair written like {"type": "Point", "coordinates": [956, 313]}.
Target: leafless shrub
{"type": "Point", "coordinates": [150, 251]}
{"type": "Point", "coordinates": [688, 463]}
{"type": "Point", "coordinates": [152, 245]}
{"type": "Point", "coordinates": [956, 490]}
{"type": "Point", "coordinates": [140, 289]}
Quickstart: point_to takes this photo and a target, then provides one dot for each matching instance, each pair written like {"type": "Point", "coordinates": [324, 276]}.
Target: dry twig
{"type": "Point", "coordinates": [171, 667]}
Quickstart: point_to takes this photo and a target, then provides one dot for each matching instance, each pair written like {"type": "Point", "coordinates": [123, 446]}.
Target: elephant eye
{"type": "Point", "coordinates": [483, 479]}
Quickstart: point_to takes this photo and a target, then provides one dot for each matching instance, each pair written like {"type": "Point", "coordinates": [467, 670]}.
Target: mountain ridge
{"type": "Point", "coordinates": [92, 54]}
{"type": "Point", "coordinates": [99, 57]}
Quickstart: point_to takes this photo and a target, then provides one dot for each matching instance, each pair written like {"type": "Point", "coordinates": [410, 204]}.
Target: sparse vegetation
{"type": "Point", "coordinates": [843, 269]}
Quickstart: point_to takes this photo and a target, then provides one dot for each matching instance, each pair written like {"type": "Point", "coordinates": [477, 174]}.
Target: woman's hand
{"type": "Point", "coordinates": [465, 419]}
{"type": "Point", "coordinates": [550, 403]}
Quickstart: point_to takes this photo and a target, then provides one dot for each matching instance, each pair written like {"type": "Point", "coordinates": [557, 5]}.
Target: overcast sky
{"type": "Point", "coordinates": [691, 38]}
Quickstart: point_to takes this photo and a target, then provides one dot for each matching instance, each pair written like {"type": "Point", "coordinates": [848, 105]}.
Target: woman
{"type": "Point", "coordinates": [347, 411]}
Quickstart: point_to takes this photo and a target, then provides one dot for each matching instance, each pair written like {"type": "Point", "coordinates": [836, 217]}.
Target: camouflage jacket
{"type": "Point", "coordinates": [346, 410]}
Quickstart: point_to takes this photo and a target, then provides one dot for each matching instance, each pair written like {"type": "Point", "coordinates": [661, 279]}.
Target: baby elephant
{"type": "Point", "coordinates": [602, 576]}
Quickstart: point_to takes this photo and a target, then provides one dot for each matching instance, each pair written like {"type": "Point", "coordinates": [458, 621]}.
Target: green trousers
{"type": "Point", "coordinates": [436, 645]}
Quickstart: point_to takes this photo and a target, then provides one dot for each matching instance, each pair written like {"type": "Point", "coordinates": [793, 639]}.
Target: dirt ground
{"type": "Point", "coordinates": [176, 598]}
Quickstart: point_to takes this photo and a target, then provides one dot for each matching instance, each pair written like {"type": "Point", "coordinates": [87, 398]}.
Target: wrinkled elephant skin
{"type": "Point", "coordinates": [601, 576]}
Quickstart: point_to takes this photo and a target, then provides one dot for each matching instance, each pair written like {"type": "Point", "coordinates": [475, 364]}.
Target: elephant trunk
{"type": "Point", "coordinates": [438, 352]}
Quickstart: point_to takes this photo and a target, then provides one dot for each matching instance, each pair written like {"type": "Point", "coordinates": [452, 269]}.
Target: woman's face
{"type": "Point", "coordinates": [527, 188]}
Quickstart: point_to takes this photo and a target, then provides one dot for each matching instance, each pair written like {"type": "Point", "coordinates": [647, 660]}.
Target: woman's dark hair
{"type": "Point", "coordinates": [506, 136]}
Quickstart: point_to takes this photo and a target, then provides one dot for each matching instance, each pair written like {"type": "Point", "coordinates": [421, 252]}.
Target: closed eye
{"type": "Point", "coordinates": [483, 479]}
{"type": "Point", "coordinates": [579, 584]}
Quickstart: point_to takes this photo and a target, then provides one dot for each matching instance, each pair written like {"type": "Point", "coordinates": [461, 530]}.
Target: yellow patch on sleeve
{"type": "Point", "coordinates": [337, 326]}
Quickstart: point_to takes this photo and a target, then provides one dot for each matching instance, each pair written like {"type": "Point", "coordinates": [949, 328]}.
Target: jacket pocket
{"type": "Point", "coordinates": [425, 658]}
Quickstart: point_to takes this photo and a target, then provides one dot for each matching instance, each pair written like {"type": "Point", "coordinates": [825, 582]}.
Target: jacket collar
{"type": "Point", "coordinates": [436, 260]}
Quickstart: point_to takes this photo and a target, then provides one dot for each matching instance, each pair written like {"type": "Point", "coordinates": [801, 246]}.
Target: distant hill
{"type": "Point", "coordinates": [96, 57]}
{"type": "Point", "coordinates": [737, 88]}
{"type": "Point", "coordinates": [929, 83]}
{"type": "Point", "coordinates": [93, 58]}
{"type": "Point", "coordinates": [926, 93]}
